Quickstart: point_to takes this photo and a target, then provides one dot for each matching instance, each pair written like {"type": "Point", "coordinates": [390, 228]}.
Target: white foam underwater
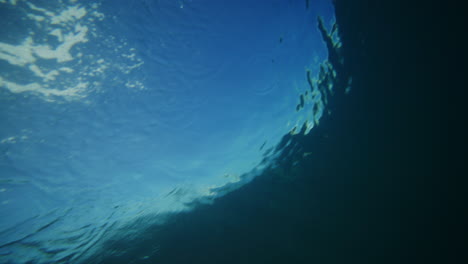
{"type": "Point", "coordinates": [53, 42]}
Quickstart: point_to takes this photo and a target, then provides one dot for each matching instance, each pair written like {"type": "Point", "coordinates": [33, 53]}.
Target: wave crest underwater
{"type": "Point", "coordinates": [121, 112]}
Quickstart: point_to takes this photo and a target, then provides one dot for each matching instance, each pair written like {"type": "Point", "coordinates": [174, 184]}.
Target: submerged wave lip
{"type": "Point", "coordinates": [121, 115]}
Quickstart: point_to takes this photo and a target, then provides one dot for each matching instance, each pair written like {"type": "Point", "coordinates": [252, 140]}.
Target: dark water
{"type": "Point", "coordinates": [372, 186]}
{"type": "Point", "coordinates": [368, 192]}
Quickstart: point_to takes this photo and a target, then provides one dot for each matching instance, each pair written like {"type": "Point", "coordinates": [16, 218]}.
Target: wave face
{"type": "Point", "coordinates": [121, 113]}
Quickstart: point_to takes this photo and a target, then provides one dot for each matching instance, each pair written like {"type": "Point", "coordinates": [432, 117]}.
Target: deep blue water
{"type": "Point", "coordinates": [116, 116]}
{"type": "Point", "coordinates": [173, 132]}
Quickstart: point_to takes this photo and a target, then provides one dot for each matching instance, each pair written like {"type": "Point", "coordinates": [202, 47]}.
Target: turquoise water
{"type": "Point", "coordinates": [124, 111]}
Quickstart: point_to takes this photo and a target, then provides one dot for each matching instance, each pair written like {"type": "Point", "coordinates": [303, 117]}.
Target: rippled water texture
{"type": "Point", "coordinates": [114, 111]}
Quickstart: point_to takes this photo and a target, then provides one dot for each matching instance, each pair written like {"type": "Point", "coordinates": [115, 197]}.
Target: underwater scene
{"type": "Point", "coordinates": [208, 131]}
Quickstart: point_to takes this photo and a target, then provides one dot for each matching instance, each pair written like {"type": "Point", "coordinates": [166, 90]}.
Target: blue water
{"type": "Point", "coordinates": [114, 111]}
